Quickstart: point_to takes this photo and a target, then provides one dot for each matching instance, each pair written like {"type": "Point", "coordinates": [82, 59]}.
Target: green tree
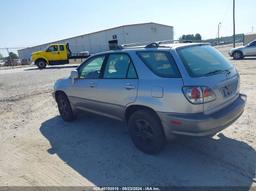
{"type": "Point", "coordinates": [198, 37]}
{"type": "Point", "coordinates": [1, 56]}
{"type": "Point", "coordinates": [12, 55]}
{"type": "Point", "coordinates": [190, 38]}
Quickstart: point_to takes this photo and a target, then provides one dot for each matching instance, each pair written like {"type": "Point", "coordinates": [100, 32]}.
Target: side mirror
{"type": "Point", "coordinates": [74, 75]}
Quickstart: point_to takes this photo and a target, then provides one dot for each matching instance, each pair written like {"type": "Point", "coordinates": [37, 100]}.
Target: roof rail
{"type": "Point", "coordinates": [136, 44]}
{"type": "Point", "coordinates": [152, 45]}
{"type": "Point", "coordinates": [147, 44]}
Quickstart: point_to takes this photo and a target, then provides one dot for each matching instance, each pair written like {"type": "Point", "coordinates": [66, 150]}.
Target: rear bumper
{"type": "Point", "coordinates": [201, 124]}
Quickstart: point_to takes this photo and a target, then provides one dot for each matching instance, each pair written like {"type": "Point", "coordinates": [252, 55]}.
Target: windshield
{"type": "Point", "coordinates": [203, 60]}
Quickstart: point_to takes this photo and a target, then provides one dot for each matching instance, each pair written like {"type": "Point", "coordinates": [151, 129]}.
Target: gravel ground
{"type": "Point", "coordinates": [38, 149]}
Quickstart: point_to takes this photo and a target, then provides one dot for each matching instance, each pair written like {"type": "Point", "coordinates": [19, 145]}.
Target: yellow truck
{"type": "Point", "coordinates": [56, 54]}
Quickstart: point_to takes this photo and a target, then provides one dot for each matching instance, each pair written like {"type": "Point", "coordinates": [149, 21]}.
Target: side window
{"type": "Point", "coordinates": [91, 69]}
{"type": "Point", "coordinates": [117, 66]}
{"type": "Point", "coordinates": [55, 48]}
{"type": "Point", "coordinates": [131, 72]}
{"type": "Point", "coordinates": [160, 63]}
{"type": "Point", "coordinates": [61, 47]}
{"type": "Point", "coordinates": [52, 48]}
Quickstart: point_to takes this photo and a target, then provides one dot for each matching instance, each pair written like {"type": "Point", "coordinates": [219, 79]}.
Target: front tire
{"type": "Point", "coordinates": [146, 131]}
{"type": "Point", "coordinates": [237, 55]}
{"type": "Point", "coordinates": [65, 108]}
{"type": "Point", "coordinates": [41, 64]}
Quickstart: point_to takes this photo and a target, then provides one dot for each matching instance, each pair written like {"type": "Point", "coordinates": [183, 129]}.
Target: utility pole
{"type": "Point", "coordinates": [234, 23]}
{"type": "Point", "coordinates": [219, 33]}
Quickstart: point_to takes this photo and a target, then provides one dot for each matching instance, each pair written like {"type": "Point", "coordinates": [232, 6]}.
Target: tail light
{"type": "Point", "coordinates": [198, 94]}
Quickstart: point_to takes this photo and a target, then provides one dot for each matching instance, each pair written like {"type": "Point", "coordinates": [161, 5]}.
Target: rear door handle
{"type": "Point", "coordinates": [92, 84]}
{"type": "Point", "coordinates": [129, 86]}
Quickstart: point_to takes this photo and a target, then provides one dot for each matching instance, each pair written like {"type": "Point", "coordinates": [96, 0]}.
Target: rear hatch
{"type": "Point", "coordinates": [206, 67]}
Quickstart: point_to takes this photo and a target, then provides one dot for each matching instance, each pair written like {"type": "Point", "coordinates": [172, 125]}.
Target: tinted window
{"type": "Point", "coordinates": [52, 48]}
{"type": "Point", "coordinates": [160, 63]}
{"type": "Point", "coordinates": [91, 69]}
{"type": "Point", "coordinates": [132, 72]}
{"type": "Point", "coordinates": [117, 66]}
{"type": "Point", "coordinates": [61, 47]}
{"type": "Point", "coordinates": [203, 60]}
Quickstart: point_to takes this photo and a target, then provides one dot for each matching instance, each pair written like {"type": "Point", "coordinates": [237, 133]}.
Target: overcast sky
{"type": "Point", "coordinates": [32, 22]}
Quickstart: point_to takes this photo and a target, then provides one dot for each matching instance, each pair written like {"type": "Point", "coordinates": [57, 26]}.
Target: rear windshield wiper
{"type": "Point", "coordinates": [216, 72]}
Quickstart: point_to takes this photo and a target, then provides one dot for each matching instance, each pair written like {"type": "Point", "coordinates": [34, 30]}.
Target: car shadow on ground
{"type": "Point", "coordinates": [101, 151]}
{"type": "Point", "coordinates": [52, 67]}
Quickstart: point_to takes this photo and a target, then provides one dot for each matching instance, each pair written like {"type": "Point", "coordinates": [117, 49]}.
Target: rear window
{"type": "Point", "coordinates": [203, 60]}
{"type": "Point", "coordinates": [61, 47]}
{"type": "Point", "coordinates": [160, 63]}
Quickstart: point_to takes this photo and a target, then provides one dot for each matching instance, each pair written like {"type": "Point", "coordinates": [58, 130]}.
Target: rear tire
{"type": "Point", "coordinates": [238, 55]}
{"type": "Point", "coordinates": [65, 108]}
{"type": "Point", "coordinates": [41, 64]}
{"type": "Point", "coordinates": [146, 131]}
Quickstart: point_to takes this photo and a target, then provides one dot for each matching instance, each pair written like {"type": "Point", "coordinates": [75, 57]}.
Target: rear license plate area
{"type": "Point", "coordinates": [229, 89]}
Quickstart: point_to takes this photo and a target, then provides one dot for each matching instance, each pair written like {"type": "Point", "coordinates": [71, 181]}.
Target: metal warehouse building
{"type": "Point", "coordinates": [105, 39]}
{"type": "Point", "coordinates": [249, 38]}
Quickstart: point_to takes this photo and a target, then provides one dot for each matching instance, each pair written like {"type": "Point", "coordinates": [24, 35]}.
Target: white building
{"type": "Point", "coordinates": [103, 40]}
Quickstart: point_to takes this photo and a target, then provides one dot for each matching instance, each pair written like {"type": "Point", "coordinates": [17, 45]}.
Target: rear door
{"type": "Point", "coordinates": [118, 86]}
{"type": "Point", "coordinates": [62, 52]}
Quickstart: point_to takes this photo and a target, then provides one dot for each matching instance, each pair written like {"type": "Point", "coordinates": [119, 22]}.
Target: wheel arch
{"type": "Point", "coordinates": [132, 108]}
{"type": "Point", "coordinates": [240, 51]}
{"type": "Point", "coordinates": [58, 92]}
{"type": "Point", "coordinates": [42, 58]}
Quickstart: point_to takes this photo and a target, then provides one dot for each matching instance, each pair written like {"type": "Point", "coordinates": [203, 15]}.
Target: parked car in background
{"type": "Point", "coordinates": [243, 51]}
{"type": "Point", "coordinates": [159, 90]}
{"type": "Point", "coordinates": [12, 62]}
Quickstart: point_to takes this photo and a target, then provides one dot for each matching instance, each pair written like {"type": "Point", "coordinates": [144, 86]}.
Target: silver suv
{"type": "Point", "coordinates": [159, 90]}
{"type": "Point", "coordinates": [243, 51]}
